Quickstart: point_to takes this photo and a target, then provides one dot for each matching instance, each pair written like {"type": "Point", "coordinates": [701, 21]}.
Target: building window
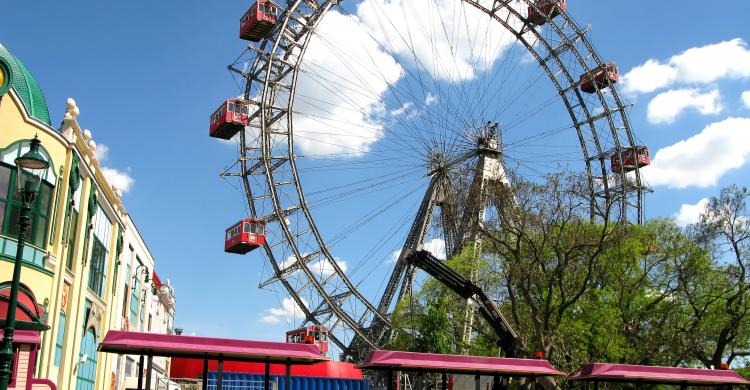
{"type": "Point", "coordinates": [98, 262]}
{"type": "Point", "coordinates": [134, 301]}
{"type": "Point", "coordinates": [102, 228]}
{"type": "Point", "coordinates": [60, 338]}
{"type": "Point", "coordinates": [10, 208]}
{"type": "Point", "coordinates": [143, 312]}
{"type": "Point", "coordinates": [87, 361]}
{"type": "Point", "coordinates": [129, 367]}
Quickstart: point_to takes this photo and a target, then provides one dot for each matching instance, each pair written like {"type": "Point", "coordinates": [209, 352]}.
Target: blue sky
{"type": "Point", "coordinates": [147, 76]}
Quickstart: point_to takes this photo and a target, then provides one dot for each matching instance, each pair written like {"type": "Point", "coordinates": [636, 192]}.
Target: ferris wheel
{"type": "Point", "coordinates": [391, 123]}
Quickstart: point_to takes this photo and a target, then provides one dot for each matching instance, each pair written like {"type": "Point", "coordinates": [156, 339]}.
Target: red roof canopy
{"type": "Point", "coordinates": [157, 281]}
{"type": "Point", "coordinates": [608, 372]}
{"type": "Point", "coordinates": [137, 343]}
{"type": "Point", "coordinates": [30, 315]}
{"type": "Point", "coordinates": [413, 361]}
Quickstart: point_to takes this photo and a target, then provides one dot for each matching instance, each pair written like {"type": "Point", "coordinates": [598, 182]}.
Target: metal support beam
{"type": "Point", "coordinates": [489, 172]}
{"type": "Point", "coordinates": [287, 376]}
{"type": "Point", "coordinates": [140, 373]}
{"type": "Point", "coordinates": [220, 374]}
{"type": "Point", "coordinates": [267, 376]}
{"type": "Point", "coordinates": [413, 240]}
{"type": "Point", "coordinates": [204, 384]}
{"type": "Point", "coordinates": [149, 371]}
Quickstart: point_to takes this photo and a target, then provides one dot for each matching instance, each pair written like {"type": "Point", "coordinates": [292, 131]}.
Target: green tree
{"type": "Point", "coordinates": [583, 290]}
{"type": "Point", "coordinates": [434, 329]}
{"type": "Point", "coordinates": [719, 298]}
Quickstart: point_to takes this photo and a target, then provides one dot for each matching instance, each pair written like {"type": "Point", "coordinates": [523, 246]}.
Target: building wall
{"type": "Point", "coordinates": [151, 314]}
{"type": "Point", "coordinates": [90, 243]}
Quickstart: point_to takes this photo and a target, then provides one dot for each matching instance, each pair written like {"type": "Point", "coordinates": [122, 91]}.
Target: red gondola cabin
{"type": "Point", "coordinates": [600, 77]}
{"type": "Point", "coordinates": [551, 8]}
{"type": "Point", "coordinates": [245, 236]}
{"type": "Point", "coordinates": [314, 334]}
{"type": "Point", "coordinates": [228, 119]}
{"type": "Point", "coordinates": [258, 20]}
{"type": "Point", "coordinates": [635, 157]}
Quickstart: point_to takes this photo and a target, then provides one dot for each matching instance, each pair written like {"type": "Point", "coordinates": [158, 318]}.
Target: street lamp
{"type": "Point", "coordinates": [29, 169]}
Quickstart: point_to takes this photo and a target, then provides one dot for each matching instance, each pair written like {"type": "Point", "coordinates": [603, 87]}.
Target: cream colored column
{"type": "Point", "coordinates": [77, 295]}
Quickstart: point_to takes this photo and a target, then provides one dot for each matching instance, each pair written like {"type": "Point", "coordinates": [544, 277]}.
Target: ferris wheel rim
{"type": "Point", "coordinates": [268, 160]}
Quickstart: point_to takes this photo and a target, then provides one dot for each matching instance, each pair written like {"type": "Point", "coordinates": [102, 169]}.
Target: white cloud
{"type": "Point", "coordinates": [423, 34]}
{"type": "Point", "coordinates": [324, 268]}
{"type": "Point", "coordinates": [342, 85]}
{"type": "Point", "coordinates": [666, 106]}
{"type": "Point", "coordinates": [746, 98]}
{"type": "Point", "coordinates": [321, 268]}
{"type": "Point", "coordinates": [119, 179]}
{"type": "Point", "coordinates": [429, 99]}
{"type": "Point", "coordinates": [704, 158]}
{"type": "Point", "coordinates": [436, 246]}
{"type": "Point", "coordinates": [648, 77]}
{"type": "Point", "coordinates": [289, 311]}
{"type": "Point", "coordinates": [709, 63]}
{"type": "Point", "coordinates": [101, 152]}
{"type": "Point", "coordinates": [690, 213]}
{"type": "Point", "coordinates": [697, 65]}
{"type": "Point", "coordinates": [401, 110]}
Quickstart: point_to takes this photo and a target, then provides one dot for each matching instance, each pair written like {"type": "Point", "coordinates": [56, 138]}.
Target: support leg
{"type": "Point", "coordinates": [267, 377]}
{"type": "Point", "coordinates": [220, 375]}
{"type": "Point", "coordinates": [445, 381]}
{"type": "Point", "coordinates": [389, 384]}
{"type": "Point", "coordinates": [205, 374]}
{"type": "Point", "coordinates": [287, 376]}
{"type": "Point", "coordinates": [149, 371]}
{"type": "Point", "coordinates": [140, 373]}
{"type": "Point", "coordinates": [477, 382]}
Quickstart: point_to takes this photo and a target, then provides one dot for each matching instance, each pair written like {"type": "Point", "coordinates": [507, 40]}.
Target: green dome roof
{"type": "Point", "coordinates": [26, 87]}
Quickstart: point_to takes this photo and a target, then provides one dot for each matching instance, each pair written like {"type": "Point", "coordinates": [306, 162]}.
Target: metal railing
{"type": "Point", "coordinates": [226, 384]}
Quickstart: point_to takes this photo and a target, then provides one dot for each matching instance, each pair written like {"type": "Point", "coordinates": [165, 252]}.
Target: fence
{"type": "Point", "coordinates": [226, 384]}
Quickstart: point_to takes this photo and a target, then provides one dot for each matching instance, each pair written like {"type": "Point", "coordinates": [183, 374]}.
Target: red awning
{"type": "Point", "coordinates": [458, 364]}
{"type": "Point", "coordinates": [607, 372]}
{"type": "Point", "coordinates": [136, 343]}
{"type": "Point", "coordinates": [30, 315]}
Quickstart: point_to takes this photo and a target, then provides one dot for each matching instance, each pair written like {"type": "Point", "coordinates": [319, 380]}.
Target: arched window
{"type": "Point", "coordinates": [60, 338]}
{"type": "Point", "coordinates": [87, 361]}
{"type": "Point", "coordinates": [99, 253]}
{"type": "Point", "coordinates": [10, 199]}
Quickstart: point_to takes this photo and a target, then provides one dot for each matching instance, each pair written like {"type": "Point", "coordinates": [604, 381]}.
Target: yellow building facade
{"type": "Point", "coordinates": [72, 261]}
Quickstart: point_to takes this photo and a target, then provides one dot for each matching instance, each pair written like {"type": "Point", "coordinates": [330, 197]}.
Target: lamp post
{"type": "Point", "coordinates": [29, 169]}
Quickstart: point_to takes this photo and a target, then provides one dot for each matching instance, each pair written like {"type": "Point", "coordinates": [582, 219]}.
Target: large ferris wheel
{"type": "Point", "coordinates": [402, 118]}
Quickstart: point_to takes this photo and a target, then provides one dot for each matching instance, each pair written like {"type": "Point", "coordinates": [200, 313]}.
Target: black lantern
{"type": "Point", "coordinates": [30, 168]}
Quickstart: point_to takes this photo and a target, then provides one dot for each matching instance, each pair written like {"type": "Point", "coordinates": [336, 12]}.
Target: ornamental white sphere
{"type": "Point", "coordinates": [86, 134]}
{"type": "Point", "coordinates": [92, 145]}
